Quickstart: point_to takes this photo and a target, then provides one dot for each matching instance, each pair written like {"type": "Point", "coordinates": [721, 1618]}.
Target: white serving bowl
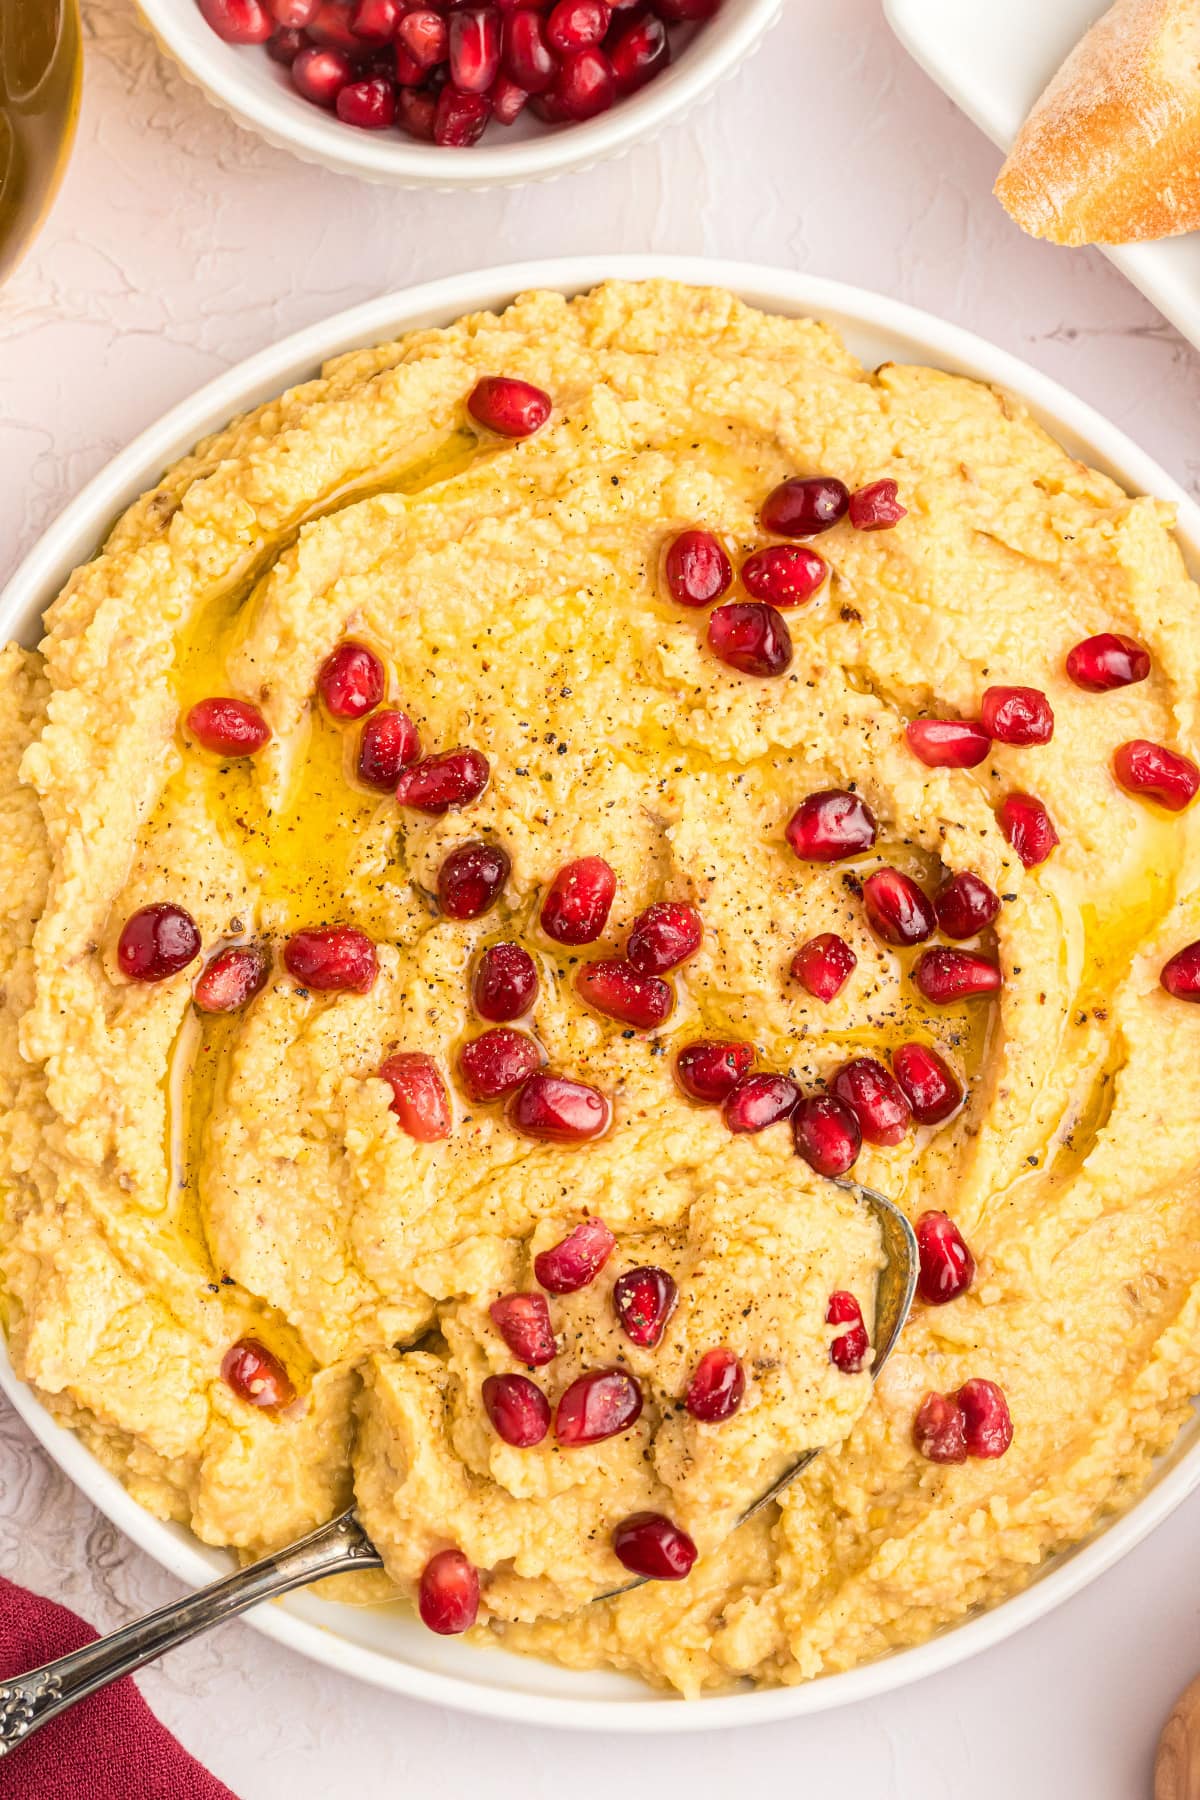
{"type": "Point", "coordinates": [259, 94]}
{"type": "Point", "coordinates": [386, 1645]}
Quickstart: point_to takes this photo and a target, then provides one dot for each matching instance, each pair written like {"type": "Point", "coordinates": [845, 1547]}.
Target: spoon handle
{"type": "Point", "coordinates": [28, 1701]}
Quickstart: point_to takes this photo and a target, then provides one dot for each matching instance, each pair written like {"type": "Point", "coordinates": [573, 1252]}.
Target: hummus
{"type": "Point", "coordinates": [174, 1181]}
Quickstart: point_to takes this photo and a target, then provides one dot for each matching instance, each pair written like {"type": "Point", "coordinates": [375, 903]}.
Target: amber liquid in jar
{"type": "Point", "coordinates": [39, 100]}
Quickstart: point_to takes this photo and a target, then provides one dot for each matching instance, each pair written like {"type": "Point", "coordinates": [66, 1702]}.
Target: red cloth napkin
{"type": "Point", "coordinates": [110, 1747]}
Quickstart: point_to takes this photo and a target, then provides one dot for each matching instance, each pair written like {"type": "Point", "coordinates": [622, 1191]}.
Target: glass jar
{"type": "Point", "coordinates": [40, 67]}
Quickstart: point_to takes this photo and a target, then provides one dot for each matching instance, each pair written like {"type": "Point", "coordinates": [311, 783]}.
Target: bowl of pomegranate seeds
{"type": "Point", "coordinates": [421, 92]}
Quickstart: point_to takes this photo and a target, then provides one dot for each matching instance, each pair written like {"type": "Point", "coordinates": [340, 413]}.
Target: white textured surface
{"type": "Point", "coordinates": [178, 246]}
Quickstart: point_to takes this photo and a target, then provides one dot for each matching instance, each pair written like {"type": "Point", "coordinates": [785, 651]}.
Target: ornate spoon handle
{"type": "Point", "coordinates": [28, 1701]}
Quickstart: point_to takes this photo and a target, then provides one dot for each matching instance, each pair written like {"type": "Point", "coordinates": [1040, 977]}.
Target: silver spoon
{"type": "Point", "coordinates": [27, 1702]}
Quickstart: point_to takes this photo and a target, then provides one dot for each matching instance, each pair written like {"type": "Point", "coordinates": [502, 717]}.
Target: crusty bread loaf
{"type": "Point", "coordinates": [1111, 152]}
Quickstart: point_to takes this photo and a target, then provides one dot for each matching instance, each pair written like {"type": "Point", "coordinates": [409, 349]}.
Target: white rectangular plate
{"type": "Point", "coordinates": [993, 61]}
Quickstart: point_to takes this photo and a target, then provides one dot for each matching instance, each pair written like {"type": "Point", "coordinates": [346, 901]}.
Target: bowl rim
{"type": "Point", "coordinates": [75, 535]}
{"type": "Point", "coordinates": [228, 76]}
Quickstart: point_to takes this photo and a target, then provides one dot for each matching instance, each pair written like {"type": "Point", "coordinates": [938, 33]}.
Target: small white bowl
{"type": "Point", "coordinates": [260, 96]}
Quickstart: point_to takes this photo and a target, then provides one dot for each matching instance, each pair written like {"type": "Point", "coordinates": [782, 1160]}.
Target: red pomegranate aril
{"type": "Point", "coordinates": [407, 70]}
{"type": "Point", "coordinates": [664, 936]}
{"type": "Point", "coordinates": [824, 965]}
{"type": "Point", "coordinates": [644, 1300]}
{"type": "Point", "coordinates": [575, 910]}
{"type": "Point", "coordinates": [827, 1134]}
{"type": "Point", "coordinates": [416, 112]}
{"type": "Point", "coordinates": [585, 84]}
{"type": "Point", "coordinates": [577, 25]}
{"type": "Point", "coordinates": [751, 637]}
{"type": "Point", "coordinates": [876, 507]}
{"type": "Point", "coordinates": [896, 909]}
{"type": "Point", "coordinates": [388, 743]}
{"type": "Point", "coordinates": [460, 118]}
{"type": "Point", "coordinates": [286, 46]}
{"type": "Point", "coordinates": [697, 570]}
{"type": "Point", "coordinates": [947, 1266]}
{"type": "Point", "coordinates": [709, 1069]}
{"type": "Point", "coordinates": [419, 1097]}
{"type": "Point", "coordinates": [332, 959]}
{"type": "Point", "coordinates": [448, 1595]}
{"type": "Point", "coordinates": [474, 48]}
{"type": "Point", "coordinates": [947, 743]}
{"type": "Point", "coordinates": [965, 906]}
{"type": "Point", "coordinates": [238, 21]}
{"type": "Point", "coordinates": [228, 727]}
{"type": "Point", "coordinates": [425, 36]}
{"type": "Point", "coordinates": [619, 991]}
{"type": "Point", "coordinates": [444, 783]}
{"type": "Point", "coordinates": [526, 57]}
{"type": "Point", "coordinates": [293, 15]}
{"type": "Point", "coordinates": [547, 108]}
{"type": "Point", "coordinates": [517, 1408]}
{"type": "Point", "coordinates": [1017, 715]}
{"type": "Point", "coordinates": [523, 1321]}
{"type": "Point", "coordinates": [330, 26]}
{"type": "Point", "coordinates": [850, 1348]}
{"type": "Point", "coordinates": [257, 1376]}
{"type": "Point", "coordinates": [472, 878]}
{"type": "Point", "coordinates": [577, 1259]}
{"type": "Point", "coordinates": [648, 1544]}
{"type": "Point", "coordinates": [376, 21]}
{"type": "Point", "coordinates": [930, 1088]}
{"type": "Point", "coordinates": [987, 1422]}
{"type": "Point", "coordinates": [804, 506]}
{"type": "Point", "coordinates": [508, 406]}
{"type": "Point", "coordinates": [831, 825]}
{"type": "Point", "coordinates": [351, 681]}
{"type": "Point", "coordinates": [1157, 773]}
{"type": "Point", "coordinates": [320, 74]}
{"type": "Point", "coordinates": [1181, 975]}
{"type": "Point", "coordinates": [369, 105]}
{"type": "Point", "coordinates": [786, 575]}
{"type": "Point", "coordinates": [760, 1100]}
{"type": "Point", "coordinates": [875, 1098]}
{"type": "Point", "coordinates": [717, 1387]}
{"type": "Point", "coordinates": [497, 1063]}
{"type": "Point", "coordinates": [557, 1110]}
{"type": "Point", "coordinates": [598, 1405]}
{"type": "Point", "coordinates": [938, 1430]}
{"type": "Point", "coordinates": [1028, 827]}
{"type": "Point", "coordinates": [638, 51]}
{"type": "Point", "coordinates": [157, 942]}
{"type": "Point", "coordinates": [508, 100]}
{"type": "Point", "coordinates": [505, 983]}
{"type": "Point", "coordinates": [946, 976]}
{"type": "Point", "coordinates": [1107, 661]}
{"type": "Point", "coordinates": [232, 978]}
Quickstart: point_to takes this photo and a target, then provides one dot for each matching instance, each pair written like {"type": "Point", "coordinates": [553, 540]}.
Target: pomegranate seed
{"type": "Point", "coordinates": [472, 878]}
{"type": "Point", "coordinates": [511, 408]}
{"type": "Point", "coordinates": [336, 958]}
{"type": "Point", "coordinates": [717, 1387]}
{"type": "Point", "coordinates": [965, 906]}
{"type": "Point", "coordinates": [760, 1100]}
{"type": "Point", "coordinates": [875, 1098]}
{"type": "Point", "coordinates": [523, 1321]}
{"type": "Point", "coordinates": [575, 910]}
{"type": "Point", "coordinates": [824, 965]}
{"type": "Point", "coordinates": [830, 825]}
{"type": "Point", "coordinates": [849, 1349]}
{"type": "Point", "coordinates": [320, 74]}
{"type": "Point", "coordinates": [697, 569]}
{"type": "Point", "coordinates": [876, 507]}
{"type": "Point", "coordinates": [785, 574]}
{"type": "Point", "coordinates": [987, 1422]}
{"type": "Point", "coordinates": [474, 48]}
{"type": "Point", "coordinates": [389, 742]}
{"type": "Point", "coordinates": [238, 21]}
{"type": "Point", "coordinates": [257, 1376]}
{"type": "Point", "coordinates": [1028, 827]}
{"type": "Point", "coordinates": [827, 1134]}
{"type": "Point", "coordinates": [330, 26]}
{"type": "Point", "coordinates": [896, 909]}
{"type": "Point", "coordinates": [947, 1266]}
{"type": "Point", "coordinates": [644, 1300]}
{"type": "Point", "coordinates": [929, 1086]}
{"type": "Point", "coordinates": [286, 46]}
{"type": "Point", "coordinates": [1017, 715]}
{"type": "Point", "coordinates": [375, 21]}
{"type": "Point", "coordinates": [416, 113]}
{"type": "Point", "coordinates": [230, 727]}
{"type": "Point", "coordinates": [598, 1405]}
{"type": "Point", "coordinates": [938, 1430]}
{"type": "Point", "coordinates": [293, 15]}
{"type": "Point", "coordinates": [508, 100]}
{"type": "Point", "coordinates": [351, 681]}
{"type": "Point", "coordinates": [370, 105]}
{"type": "Point", "coordinates": [548, 108]}
{"type": "Point", "coordinates": [559, 1111]}
{"type": "Point", "coordinates": [1160, 774]}
{"type": "Point", "coordinates": [750, 637]}
{"type": "Point", "coordinates": [639, 51]}
{"type": "Point", "coordinates": [664, 936]}
{"type": "Point", "coordinates": [460, 119]}
{"type": "Point", "coordinates": [505, 984]}
{"type": "Point", "coordinates": [577, 1259]}
{"type": "Point", "coordinates": [708, 1069]}
{"type": "Point", "coordinates": [527, 57]}
{"type": "Point", "coordinates": [1181, 976]}
{"type": "Point", "coordinates": [577, 24]}
{"type": "Point", "coordinates": [232, 978]}
{"type": "Point", "coordinates": [518, 1409]}
{"type": "Point", "coordinates": [448, 1596]}
{"type": "Point", "coordinates": [585, 85]}
{"type": "Point", "coordinates": [496, 1063]}
{"type": "Point", "coordinates": [648, 1544]}
{"type": "Point", "coordinates": [804, 506]}
{"type": "Point", "coordinates": [157, 941]}
{"type": "Point", "coordinates": [425, 36]}
{"type": "Point", "coordinates": [947, 743]}
{"type": "Point", "coordinates": [419, 1097]}
{"type": "Point", "coordinates": [1107, 661]}
{"type": "Point", "coordinates": [444, 783]}
{"type": "Point", "coordinates": [945, 976]}
{"type": "Point", "coordinates": [619, 991]}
